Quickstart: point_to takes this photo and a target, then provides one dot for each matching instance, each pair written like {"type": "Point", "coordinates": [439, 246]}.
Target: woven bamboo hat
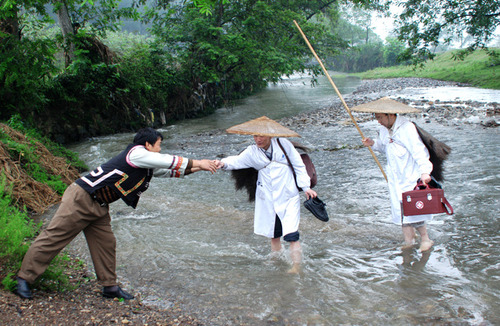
{"type": "Point", "coordinates": [385, 105]}
{"type": "Point", "coordinates": [262, 126]}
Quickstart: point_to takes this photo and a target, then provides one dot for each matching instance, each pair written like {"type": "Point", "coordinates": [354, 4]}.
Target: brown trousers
{"type": "Point", "coordinates": [77, 212]}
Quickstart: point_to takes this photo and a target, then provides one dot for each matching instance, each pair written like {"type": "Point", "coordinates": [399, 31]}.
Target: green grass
{"type": "Point", "coordinates": [17, 228]}
{"type": "Point", "coordinates": [477, 69]}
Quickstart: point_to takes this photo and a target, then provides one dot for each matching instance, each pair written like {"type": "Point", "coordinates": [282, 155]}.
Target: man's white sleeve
{"type": "Point", "coordinates": [165, 165]}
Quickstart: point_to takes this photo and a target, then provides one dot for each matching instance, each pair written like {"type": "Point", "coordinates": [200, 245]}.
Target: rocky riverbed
{"type": "Point", "coordinates": [85, 305]}
{"type": "Point", "coordinates": [447, 112]}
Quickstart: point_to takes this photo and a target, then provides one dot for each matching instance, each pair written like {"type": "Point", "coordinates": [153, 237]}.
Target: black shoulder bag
{"type": "Point", "coordinates": [311, 170]}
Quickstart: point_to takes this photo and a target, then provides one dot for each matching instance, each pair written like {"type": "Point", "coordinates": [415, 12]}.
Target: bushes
{"type": "Point", "coordinates": [24, 68]}
{"type": "Point", "coordinates": [149, 78]}
{"type": "Point", "coordinates": [140, 87]}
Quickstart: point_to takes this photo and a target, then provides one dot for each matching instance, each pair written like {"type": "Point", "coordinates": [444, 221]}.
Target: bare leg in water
{"type": "Point", "coordinates": [275, 244]}
{"type": "Point", "coordinates": [409, 235]}
{"type": "Point", "coordinates": [425, 243]}
{"type": "Point", "coordinates": [296, 255]}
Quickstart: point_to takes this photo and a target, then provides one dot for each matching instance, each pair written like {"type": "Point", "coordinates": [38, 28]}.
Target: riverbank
{"type": "Point", "coordinates": [85, 305]}
{"type": "Point", "coordinates": [448, 112]}
{"type": "Point", "coordinates": [477, 69]}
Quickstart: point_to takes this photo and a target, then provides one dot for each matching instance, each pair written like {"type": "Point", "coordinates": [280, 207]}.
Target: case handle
{"type": "Point", "coordinates": [447, 206]}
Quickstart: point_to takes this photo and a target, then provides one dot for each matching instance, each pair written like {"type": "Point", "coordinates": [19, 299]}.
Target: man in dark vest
{"type": "Point", "coordinates": [84, 207]}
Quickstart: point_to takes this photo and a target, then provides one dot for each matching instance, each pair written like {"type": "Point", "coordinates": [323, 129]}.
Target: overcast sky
{"type": "Point", "coordinates": [383, 26]}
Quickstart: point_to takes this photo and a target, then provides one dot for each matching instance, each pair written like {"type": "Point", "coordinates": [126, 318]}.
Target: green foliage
{"type": "Point", "coordinates": [477, 69]}
{"type": "Point", "coordinates": [424, 24]}
{"type": "Point", "coordinates": [9, 282]}
{"type": "Point", "coordinates": [15, 230]}
{"type": "Point", "coordinates": [87, 96]}
{"type": "Point", "coordinates": [15, 227]}
{"type": "Point", "coordinates": [146, 68]}
{"type": "Point", "coordinates": [362, 49]}
{"type": "Point", "coordinates": [206, 6]}
{"type": "Point", "coordinates": [393, 51]}
{"type": "Point", "coordinates": [124, 43]}
{"type": "Point", "coordinates": [354, 25]}
{"type": "Point", "coordinates": [28, 160]}
{"type": "Point", "coordinates": [11, 8]}
{"type": "Point", "coordinates": [55, 277]}
{"type": "Point", "coordinates": [243, 45]}
{"type": "Point", "coordinates": [24, 68]}
{"type": "Point", "coordinates": [25, 63]}
{"type": "Point", "coordinates": [204, 52]}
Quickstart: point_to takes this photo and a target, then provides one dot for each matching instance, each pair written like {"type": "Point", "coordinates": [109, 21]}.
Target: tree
{"type": "Point", "coordinates": [424, 24]}
{"type": "Point", "coordinates": [25, 63]}
{"type": "Point", "coordinates": [358, 19]}
{"type": "Point", "coordinates": [67, 30]}
{"type": "Point", "coordinates": [243, 45]}
{"type": "Point", "coordinates": [204, 52]}
{"type": "Point", "coordinates": [392, 51]}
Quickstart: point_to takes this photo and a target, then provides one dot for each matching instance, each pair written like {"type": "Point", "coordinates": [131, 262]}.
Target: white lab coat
{"type": "Point", "coordinates": [407, 159]}
{"type": "Point", "coordinates": [276, 192]}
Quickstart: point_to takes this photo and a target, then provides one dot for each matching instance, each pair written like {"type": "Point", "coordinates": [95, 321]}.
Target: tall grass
{"type": "Point", "coordinates": [478, 69]}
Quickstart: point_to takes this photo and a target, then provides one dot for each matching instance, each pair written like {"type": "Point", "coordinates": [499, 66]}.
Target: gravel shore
{"type": "Point", "coordinates": [444, 112]}
{"type": "Point", "coordinates": [86, 306]}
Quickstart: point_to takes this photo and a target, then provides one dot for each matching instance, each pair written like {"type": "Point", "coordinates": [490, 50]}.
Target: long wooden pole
{"type": "Point", "coordinates": [340, 96]}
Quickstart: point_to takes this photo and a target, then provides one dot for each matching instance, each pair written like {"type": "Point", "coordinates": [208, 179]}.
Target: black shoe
{"type": "Point", "coordinates": [317, 208]}
{"type": "Point", "coordinates": [116, 292]}
{"type": "Point", "coordinates": [23, 289]}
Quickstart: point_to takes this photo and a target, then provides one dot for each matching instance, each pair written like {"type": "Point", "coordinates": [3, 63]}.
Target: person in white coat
{"type": "Point", "coordinates": [277, 200]}
{"type": "Point", "coordinates": [407, 161]}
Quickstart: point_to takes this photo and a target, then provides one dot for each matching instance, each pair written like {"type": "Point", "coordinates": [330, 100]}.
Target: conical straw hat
{"type": "Point", "coordinates": [262, 126]}
{"type": "Point", "coordinates": [385, 105]}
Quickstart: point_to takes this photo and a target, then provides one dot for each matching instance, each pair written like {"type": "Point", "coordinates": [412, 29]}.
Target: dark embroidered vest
{"type": "Point", "coordinates": [120, 176]}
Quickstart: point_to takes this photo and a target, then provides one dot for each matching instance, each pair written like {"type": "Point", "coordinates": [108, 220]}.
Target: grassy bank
{"type": "Point", "coordinates": [477, 69]}
{"type": "Point", "coordinates": [34, 172]}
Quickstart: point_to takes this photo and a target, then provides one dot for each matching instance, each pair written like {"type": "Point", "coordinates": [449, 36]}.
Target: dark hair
{"type": "Point", "coordinates": [148, 135]}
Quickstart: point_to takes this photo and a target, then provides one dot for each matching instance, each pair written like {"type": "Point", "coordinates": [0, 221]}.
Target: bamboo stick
{"type": "Point", "coordinates": [340, 96]}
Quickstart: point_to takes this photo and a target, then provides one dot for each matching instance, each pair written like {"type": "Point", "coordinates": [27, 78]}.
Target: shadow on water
{"type": "Point", "coordinates": [191, 241]}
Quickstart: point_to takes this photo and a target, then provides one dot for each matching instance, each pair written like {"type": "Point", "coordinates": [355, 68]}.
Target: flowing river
{"type": "Point", "coordinates": [190, 242]}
